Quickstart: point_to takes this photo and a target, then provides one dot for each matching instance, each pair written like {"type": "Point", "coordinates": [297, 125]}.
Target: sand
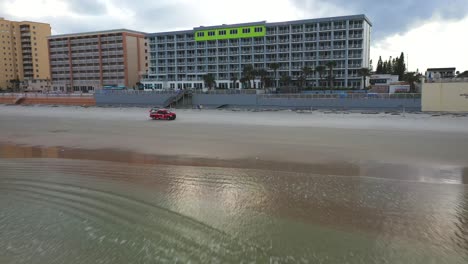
{"type": "Point", "coordinates": [282, 136]}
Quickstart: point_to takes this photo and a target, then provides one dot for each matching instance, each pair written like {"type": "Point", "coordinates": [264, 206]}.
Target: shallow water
{"type": "Point", "coordinates": [77, 211]}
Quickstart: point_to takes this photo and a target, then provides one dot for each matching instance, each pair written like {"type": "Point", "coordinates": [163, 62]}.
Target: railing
{"type": "Point", "coordinates": [44, 95]}
{"type": "Point", "coordinates": [446, 80]}
{"type": "Point", "coordinates": [372, 96]}
{"type": "Point", "coordinates": [226, 91]}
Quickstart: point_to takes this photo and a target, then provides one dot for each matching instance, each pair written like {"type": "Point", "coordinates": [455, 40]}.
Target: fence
{"type": "Point", "coordinates": [341, 96]}
{"type": "Point", "coordinates": [45, 95]}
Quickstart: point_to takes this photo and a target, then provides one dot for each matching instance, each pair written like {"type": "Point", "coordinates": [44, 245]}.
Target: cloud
{"type": "Point", "coordinates": [397, 16]}
{"type": "Point", "coordinates": [87, 7]}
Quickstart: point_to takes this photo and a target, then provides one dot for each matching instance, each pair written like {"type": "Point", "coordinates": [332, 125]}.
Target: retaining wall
{"type": "Point", "coordinates": [140, 99]}
{"type": "Point", "coordinates": [252, 100]}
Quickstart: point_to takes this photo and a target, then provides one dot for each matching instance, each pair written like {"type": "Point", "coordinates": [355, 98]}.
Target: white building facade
{"type": "Point", "coordinates": [179, 60]}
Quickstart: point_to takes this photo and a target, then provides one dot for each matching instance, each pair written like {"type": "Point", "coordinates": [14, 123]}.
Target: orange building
{"type": "Point", "coordinates": [85, 62]}
{"type": "Point", "coordinates": [24, 54]}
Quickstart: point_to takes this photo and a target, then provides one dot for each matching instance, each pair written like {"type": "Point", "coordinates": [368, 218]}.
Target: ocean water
{"type": "Point", "coordinates": [89, 211]}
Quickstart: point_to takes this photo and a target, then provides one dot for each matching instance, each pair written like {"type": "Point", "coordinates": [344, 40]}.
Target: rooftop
{"type": "Point", "coordinates": [314, 20]}
{"type": "Point", "coordinates": [442, 69]}
{"type": "Point", "coordinates": [103, 32]}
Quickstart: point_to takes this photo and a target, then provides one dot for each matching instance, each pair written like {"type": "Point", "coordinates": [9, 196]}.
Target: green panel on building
{"type": "Point", "coordinates": [230, 33]}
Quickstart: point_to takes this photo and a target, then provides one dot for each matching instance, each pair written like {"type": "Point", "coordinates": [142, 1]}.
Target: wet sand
{"type": "Point", "coordinates": [226, 187]}
{"type": "Point", "coordinates": [245, 139]}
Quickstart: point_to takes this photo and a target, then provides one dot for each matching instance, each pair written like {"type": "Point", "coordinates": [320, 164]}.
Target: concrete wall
{"type": "Point", "coordinates": [252, 100]}
{"type": "Point", "coordinates": [216, 100]}
{"type": "Point", "coordinates": [445, 97]}
{"type": "Point", "coordinates": [141, 99]}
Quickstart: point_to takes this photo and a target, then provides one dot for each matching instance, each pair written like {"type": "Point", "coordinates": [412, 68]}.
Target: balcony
{"type": "Point", "coordinates": [355, 26]}
{"type": "Point", "coordinates": [355, 36]}
{"type": "Point", "coordinates": [339, 37]}
{"type": "Point", "coordinates": [355, 46]}
{"type": "Point", "coordinates": [296, 39]}
{"type": "Point", "coordinates": [284, 40]}
{"type": "Point", "coordinates": [325, 47]}
{"type": "Point", "coordinates": [283, 31]}
{"type": "Point", "coordinates": [310, 29]}
{"type": "Point", "coordinates": [310, 39]}
{"type": "Point", "coordinates": [339, 27]}
{"type": "Point", "coordinates": [325, 38]}
{"type": "Point", "coordinates": [283, 58]}
{"type": "Point", "coordinates": [325, 28]}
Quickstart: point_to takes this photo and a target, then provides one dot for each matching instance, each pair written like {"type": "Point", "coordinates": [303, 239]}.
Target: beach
{"type": "Point", "coordinates": [231, 186]}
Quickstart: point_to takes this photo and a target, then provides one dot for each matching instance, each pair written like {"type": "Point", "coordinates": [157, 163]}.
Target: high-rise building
{"type": "Point", "coordinates": [180, 59]}
{"type": "Point", "coordinates": [85, 62]}
{"type": "Point", "coordinates": [24, 53]}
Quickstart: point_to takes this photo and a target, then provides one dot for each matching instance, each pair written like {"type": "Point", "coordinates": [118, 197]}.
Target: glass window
{"type": "Point", "coordinates": [233, 31]}
{"type": "Point", "coordinates": [246, 30]}
{"type": "Point", "coordinates": [211, 33]}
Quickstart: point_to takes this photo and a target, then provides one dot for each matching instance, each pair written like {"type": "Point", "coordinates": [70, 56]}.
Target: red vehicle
{"type": "Point", "coordinates": [162, 114]}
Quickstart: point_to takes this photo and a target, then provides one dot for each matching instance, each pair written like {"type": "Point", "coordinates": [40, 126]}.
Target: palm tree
{"type": "Point", "coordinates": [234, 80]}
{"type": "Point", "coordinates": [249, 74]}
{"type": "Point", "coordinates": [364, 72]}
{"type": "Point", "coordinates": [209, 80]}
{"type": "Point", "coordinates": [306, 71]}
{"type": "Point", "coordinates": [275, 67]}
{"type": "Point", "coordinates": [263, 74]}
{"type": "Point", "coordinates": [320, 70]}
{"type": "Point", "coordinates": [412, 78]}
{"type": "Point", "coordinates": [330, 65]}
{"type": "Point", "coordinates": [285, 79]}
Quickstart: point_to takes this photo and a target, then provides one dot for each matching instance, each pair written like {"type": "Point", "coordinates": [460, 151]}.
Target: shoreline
{"type": "Point", "coordinates": [336, 144]}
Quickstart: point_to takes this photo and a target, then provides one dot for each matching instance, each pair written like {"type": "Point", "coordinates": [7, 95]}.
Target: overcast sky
{"type": "Point", "coordinates": [432, 33]}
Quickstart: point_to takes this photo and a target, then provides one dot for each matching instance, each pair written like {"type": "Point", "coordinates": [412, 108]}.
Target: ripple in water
{"type": "Point", "coordinates": [72, 211]}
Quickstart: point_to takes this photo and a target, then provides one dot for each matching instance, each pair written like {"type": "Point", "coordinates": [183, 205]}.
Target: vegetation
{"type": "Point", "coordinates": [320, 70]}
{"type": "Point", "coordinates": [285, 80]}
{"type": "Point", "coordinates": [234, 80]}
{"type": "Point", "coordinates": [209, 80]}
{"type": "Point", "coordinates": [330, 65]}
{"type": "Point", "coordinates": [248, 75]}
{"type": "Point", "coordinates": [275, 67]}
{"type": "Point", "coordinates": [263, 74]}
{"type": "Point", "coordinates": [412, 78]}
{"type": "Point", "coordinates": [394, 66]}
{"type": "Point", "coordinates": [306, 72]}
{"type": "Point", "coordinates": [364, 73]}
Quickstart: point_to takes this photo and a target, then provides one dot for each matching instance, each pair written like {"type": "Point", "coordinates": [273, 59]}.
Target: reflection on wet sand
{"type": "Point", "coordinates": [146, 209]}
{"type": "Point", "coordinates": [433, 173]}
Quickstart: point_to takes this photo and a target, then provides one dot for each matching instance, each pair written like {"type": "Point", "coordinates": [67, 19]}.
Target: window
{"type": "Point", "coordinates": [211, 33]}
{"type": "Point", "coordinates": [246, 30]}
{"type": "Point", "coordinates": [258, 29]}
{"type": "Point", "coordinates": [200, 34]}
{"type": "Point", "coordinates": [222, 32]}
{"type": "Point", "coordinates": [233, 31]}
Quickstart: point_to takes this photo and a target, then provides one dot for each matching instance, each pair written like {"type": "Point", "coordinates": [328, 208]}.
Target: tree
{"type": "Point", "coordinates": [412, 78]}
{"type": "Point", "coordinates": [263, 74]}
{"type": "Point", "coordinates": [249, 74]}
{"type": "Point", "coordinates": [364, 72]}
{"type": "Point", "coordinates": [209, 80]}
{"type": "Point", "coordinates": [330, 65]}
{"type": "Point", "coordinates": [275, 67]}
{"type": "Point", "coordinates": [320, 70]}
{"type": "Point", "coordinates": [400, 66]}
{"type": "Point", "coordinates": [389, 69]}
{"type": "Point", "coordinates": [380, 65]}
{"type": "Point", "coordinates": [285, 79]}
{"type": "Point", "coordinates": [234, 80]}
{"type": "Point", "coordinates": [306, 71]}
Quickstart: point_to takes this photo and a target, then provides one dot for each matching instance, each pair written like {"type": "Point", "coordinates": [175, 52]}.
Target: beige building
{"type": "Point", "coordinates": [24, 54]}
{"type": "Point", "coordinates": [86, 62]}
{"type": "Point", "coordinates": [36, 85]}
{"type": "Point", "coordinates": [445, 96]}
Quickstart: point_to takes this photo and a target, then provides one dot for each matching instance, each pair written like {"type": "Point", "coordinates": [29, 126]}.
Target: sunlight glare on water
{"type": "Point", "coordinates": [74, 211]}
